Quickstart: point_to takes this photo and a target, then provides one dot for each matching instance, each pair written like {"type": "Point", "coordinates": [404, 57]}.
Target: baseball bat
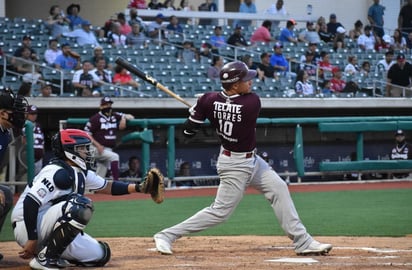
{"type": "Point", "coordinates": [134, 70]}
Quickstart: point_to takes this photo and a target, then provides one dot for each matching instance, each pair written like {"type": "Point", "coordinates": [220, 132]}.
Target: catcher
{"type": "Point", "coordinates": [52, 212]}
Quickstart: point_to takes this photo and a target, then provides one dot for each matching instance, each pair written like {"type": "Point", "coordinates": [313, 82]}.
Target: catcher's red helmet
{"type": "Point", "coordinates": [236, 71]}
{"type": "Point", "coordinates": [67, 142]}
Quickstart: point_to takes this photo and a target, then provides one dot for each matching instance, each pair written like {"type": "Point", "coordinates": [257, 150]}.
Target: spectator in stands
{"type": "Point", "coordinates": [208, 6]}
{"type": "Point", "coordinates": [303, 86]}
{"type": "Point", "coordinates": [169, 5]}
{"type": "Point", "coordinates": [277, 9]}
{"type": "Point", "coordinates": [85, 82]}
{"type": "Point", "coordinates": [99, 53]}
{"type": "Point", "coordinates": [83, 35]}
{"type": "Point", "coordinates": [174, 27]}
{"type": "Point", "coordinates": [312, 47]}
{"type": "Point", "coordinates": [384, 64]}
{"type": "Point", "coordinates": [237, 38]}
{"type": "Point", "coordinates": [122, 77]}
{"type": "Point", "coordinates": [409, 42]}
{"type": "Point", "coordinates": [57, 22]}
{"type": "Point", "coordinates": [262, 34]}
{"type": "Point", "coordinates": [134, 18]}
{"type": "Point", "coordinates": [206, 51]}
{"type": "Point", "coordinates": [398, 42]}
{"type": "Point", "coordinates": [356, 31]}
{"type": "Point", "coordinates": [155, 29]}
{"type": "Point", "coordinates": [352, 67]}
{"type": "Point", "coordinates": [365, 68]}
{"type": "Point", "coordinates": [134, 170]}
{"type": "Point", "coordinates": [375, 17]}
{"type": "Point", "coordinates": [319, 22]}
{"type": "Point", "coordinates": [367, 41]}
{"type": "Point", "coordinates": [116, 38]}
{"type": "Point", "coordinates": [100, 70]}
{"type": "Point", "coordinates": [46, 90]}
{"type": "Point", "coordinates": [383, 43]}
{"type": "Point", "coordinates": [72, 12]}
{"type": "Point", "coordinates": [264, 68]}
{"type": "Point", "coordinates": [309, 64]}
{"type": "Point", "coordinates": [26, 66]}
{"type": "Point", "coordinates": [136, 37]}
{"type": "Point", "coordinates": [52, 52]}
{"type": "Point", "coordinates": [288, 34]}
{"type": "Point", "coordinates": [155, 4]}
{"type": "Point", "coordinates": [188, 53]}
{"type": "Point", "coordinates": [26, 43]}
{"type": "Point", "coordinates": [247, 6]}
{"type": "Point", "coordinates": [124, 25]}
{"type": "Point", "coordinates": [248, 60]}
{"type": "Point", "coordinates": [137, 4]}
{"type": "Point", "coordinates": [184, 170]}
{"type": "Point", "coordinates": [326, 88]}
{"type": "Point", "coordinates": [333, 25]}
{"type": "Point", "coordinates": [217, 39]}
{"type": "Point", "coordinates": [324, 64]}
{"type": "Point", "coordinates": [213, 72]}
{"type": "Point", "coordinates": [401, 151]}
{"type": "Point", "coordinates": [339, 39]}
{"type": "Point", "coordinates": [399, 77]}
{"type": "Point", "coordinates": [309, 35]}
{"type": "Point", "coordinates": [405, 18]}
{"type": "Point", "coordinates": [337, 84]}
{"type": "Point", "coordinates": [25, 89]}
{"type": "Point", "coordinates": [66, 61]}
{"type": "Point", "coordinates": [278, 60]}
{"type": "Point", "coordinates": [323, 33]}
{"type": "Point", "coordinates": [184, 6]}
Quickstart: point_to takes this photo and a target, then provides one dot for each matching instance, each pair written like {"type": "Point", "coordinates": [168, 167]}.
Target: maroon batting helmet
{"type": "Point", "coordinates": [236, 71]}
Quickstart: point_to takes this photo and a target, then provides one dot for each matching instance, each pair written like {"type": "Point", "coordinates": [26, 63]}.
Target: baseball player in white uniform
{"type": "Point", "coordinates": [233, 113]}
{"type": "Point", "coordinates": [52, 212]}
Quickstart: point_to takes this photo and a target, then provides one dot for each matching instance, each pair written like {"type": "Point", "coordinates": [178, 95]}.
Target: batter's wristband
{"type": "Point", "coordinates": [137, 188]}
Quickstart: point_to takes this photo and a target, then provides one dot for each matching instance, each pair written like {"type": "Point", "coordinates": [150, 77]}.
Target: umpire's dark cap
{"type": "Point", "coordinates": [31, 109]}
{"type": "Point", "coordinates": [106, 100]}
{"type": "Point", "coordinates": [399, 132]}
{"type": "Point", "coordinates": [6, 102]}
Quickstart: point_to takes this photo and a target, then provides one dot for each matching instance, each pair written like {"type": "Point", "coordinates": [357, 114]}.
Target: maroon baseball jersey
{"type": "Point", "coordinates": [104, 128]}
{"type": "Point", "coordinates": [233, 117]}
{"type": "Point", "coordinates": [38, 140]}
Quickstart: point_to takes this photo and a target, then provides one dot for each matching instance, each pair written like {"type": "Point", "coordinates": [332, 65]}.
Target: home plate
{"type": "Point", "coordinates": [293, 260]}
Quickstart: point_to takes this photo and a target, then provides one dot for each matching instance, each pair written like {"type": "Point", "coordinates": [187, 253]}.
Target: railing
{"type": "Point", "coordinates": [61, 75]}
{"type": "Point", "coordinates": [298, 151]}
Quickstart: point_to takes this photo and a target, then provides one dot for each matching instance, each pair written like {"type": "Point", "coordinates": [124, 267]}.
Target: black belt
{"type": "Point", "coordinates": [13, 225]}
{"type": "Point", "coordinates": [229, 153]}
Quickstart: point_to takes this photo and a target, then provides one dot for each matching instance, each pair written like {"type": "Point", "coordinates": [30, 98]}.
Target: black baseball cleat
{"type": "Point", "coordinates": [1, 257]}
{"type": "Point", "coordinates": [316, 248]}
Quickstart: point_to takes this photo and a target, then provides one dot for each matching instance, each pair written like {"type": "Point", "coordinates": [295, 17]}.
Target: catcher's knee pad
{"type": "Point", "coordinates": [77, 211]}
{"type": "Point", "coordinates": [99, 263]}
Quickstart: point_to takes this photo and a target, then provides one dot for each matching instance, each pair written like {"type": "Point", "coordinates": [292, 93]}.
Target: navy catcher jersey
{"type": "Point", "coordinates": [103, 128]}
{"type": "Point", "coordinates": [233, 117]}
{"type": "Point", "coordinates": [4, 141]}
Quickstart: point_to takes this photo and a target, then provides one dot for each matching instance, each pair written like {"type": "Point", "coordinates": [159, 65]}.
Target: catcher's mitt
{"type": "Point", "coordinates": [153, 183]}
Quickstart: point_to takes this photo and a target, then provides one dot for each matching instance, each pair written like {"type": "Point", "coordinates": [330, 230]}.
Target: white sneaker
{"type": "Point", "coordinates": [162, 245]}
{"type": "Point", "coordinates": [43, 264]}
{"type": "Point", "coordinates": [316, 248]}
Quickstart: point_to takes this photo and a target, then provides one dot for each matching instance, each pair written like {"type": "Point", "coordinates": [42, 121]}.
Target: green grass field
{"type": "Point", "coordinates": [343, 213]}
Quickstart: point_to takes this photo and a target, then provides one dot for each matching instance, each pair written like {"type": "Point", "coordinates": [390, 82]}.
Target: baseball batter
{"type": "Point", "coordinates": [51, 214]}
{"type": "Point", "coordinates": [103, 127]}
{"type": "Point", "coordinates": [233, 113]}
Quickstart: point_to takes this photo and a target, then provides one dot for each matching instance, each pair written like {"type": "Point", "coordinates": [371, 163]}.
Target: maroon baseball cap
{"type": "Point", "coordinates": [106, 100]}
{"type": "Point", "coordinates": [32, 109]}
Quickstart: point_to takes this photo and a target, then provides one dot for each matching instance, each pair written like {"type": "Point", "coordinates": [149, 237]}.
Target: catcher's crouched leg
{"type": "Point", "coordinates": [153, 183]}
{"type": "Point", "coordinates": [101, 262]}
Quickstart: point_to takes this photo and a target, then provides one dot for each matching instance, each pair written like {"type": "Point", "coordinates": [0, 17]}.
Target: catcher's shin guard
{"type": "Point", "coordinates": [77, 212]}
{"type": "Point", "coordinates": [98, 263]}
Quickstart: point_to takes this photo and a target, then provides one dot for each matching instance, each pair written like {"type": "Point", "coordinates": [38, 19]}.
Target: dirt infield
{"type": "Point", "coordinates": [252, 252]}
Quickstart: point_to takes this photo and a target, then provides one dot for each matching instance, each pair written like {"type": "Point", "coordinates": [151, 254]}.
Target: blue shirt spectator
{"type": "Point", "coordinates": [278, 60]}
{"type": "Point", "coordinates": [73, 15]}
{"type": "Point", "coordinates": [375, 17]}
{"type": "Point", "coordinates": [65, 61]}
{"type": "Point", "coordinates": [246, 7]}
{"type": "Point", "coordinates": [217, 40]}
{"type": "Point", "coordinates": [287, 34]}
